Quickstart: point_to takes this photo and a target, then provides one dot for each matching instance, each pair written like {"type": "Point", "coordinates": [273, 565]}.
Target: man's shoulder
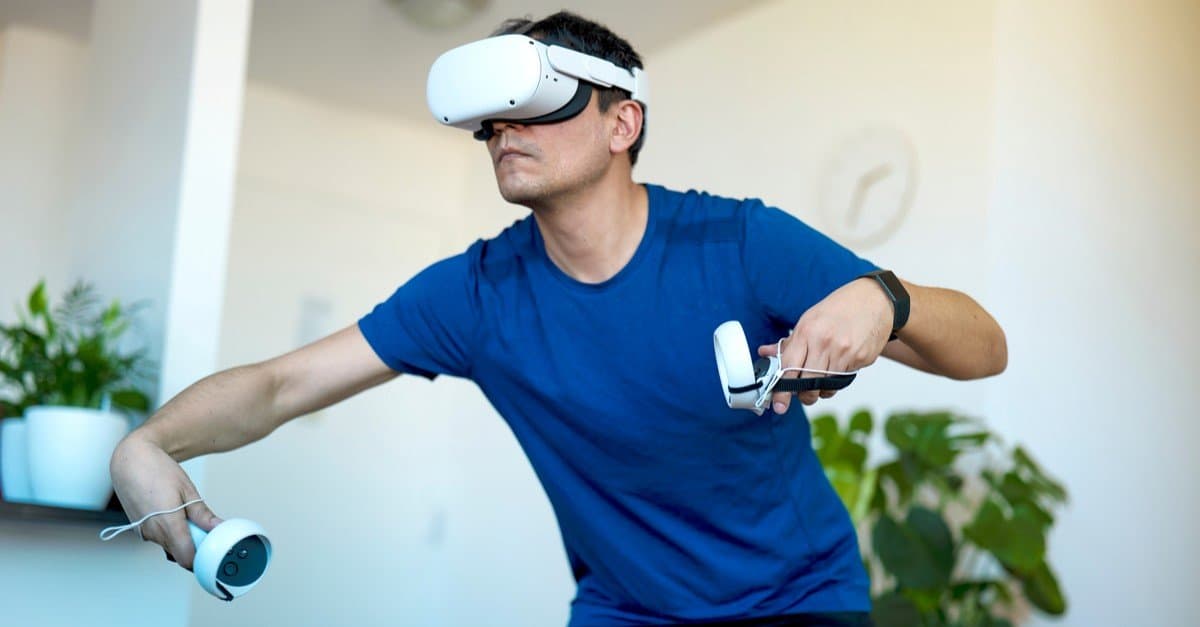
{"type": "Point", "coordinates": [697, 210]}
{"type": "Point", "coordinates": [497, 256]}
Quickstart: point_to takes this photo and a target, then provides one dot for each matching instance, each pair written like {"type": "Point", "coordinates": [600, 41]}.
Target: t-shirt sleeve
{"type": "Point", "coordinates": [791, 266]}
{"type": "Point", "coordinates": [428, 326]}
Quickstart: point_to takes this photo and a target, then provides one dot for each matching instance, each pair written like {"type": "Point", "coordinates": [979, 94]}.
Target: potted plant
{"type": "Point", "coordinates": [65, 373]}
{"type": "Point", "coordinates": [953, 526]}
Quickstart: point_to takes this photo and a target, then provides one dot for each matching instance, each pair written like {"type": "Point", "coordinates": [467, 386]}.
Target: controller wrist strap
{"type": "Point", "coordinates": [111, 532]}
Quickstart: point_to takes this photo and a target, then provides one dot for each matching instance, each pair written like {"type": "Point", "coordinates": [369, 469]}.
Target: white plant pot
{"type": "Point", "coordinates": [69, 451]}
{"type": "Point", "coordinates": [14, 461]}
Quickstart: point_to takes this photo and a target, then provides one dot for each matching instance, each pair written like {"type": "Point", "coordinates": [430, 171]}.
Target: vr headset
{"type": "Point", "coordinates": [515, 78]}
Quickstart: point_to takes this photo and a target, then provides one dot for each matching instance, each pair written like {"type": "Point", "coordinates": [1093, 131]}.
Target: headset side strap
{"type": "Point", "coordinates": [592, 69]}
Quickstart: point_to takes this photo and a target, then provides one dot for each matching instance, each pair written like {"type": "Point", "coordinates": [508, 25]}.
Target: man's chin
{"type": "Point", "coordinates": [519, 194]}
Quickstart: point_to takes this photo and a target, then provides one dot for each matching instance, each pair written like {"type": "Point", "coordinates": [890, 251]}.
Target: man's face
{"type": "Point", "coordinates": [537, 162]}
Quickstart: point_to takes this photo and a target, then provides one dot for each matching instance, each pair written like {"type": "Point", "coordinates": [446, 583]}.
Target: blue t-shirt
{"type": "Point", "coordinates": [671, 505]}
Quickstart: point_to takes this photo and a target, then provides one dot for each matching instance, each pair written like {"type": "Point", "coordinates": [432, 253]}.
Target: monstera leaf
{"type": "Point", "coordinates": [936, 523]}
{"type": "Point", "coordinates": [919, 551]}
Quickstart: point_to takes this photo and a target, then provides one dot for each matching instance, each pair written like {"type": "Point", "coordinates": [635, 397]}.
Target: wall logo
{"type": "Point", "coordinates": [867, 186]}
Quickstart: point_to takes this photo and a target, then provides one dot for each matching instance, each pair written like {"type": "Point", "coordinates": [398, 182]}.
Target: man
{"type": "Point", "coordinates": [589, 325]}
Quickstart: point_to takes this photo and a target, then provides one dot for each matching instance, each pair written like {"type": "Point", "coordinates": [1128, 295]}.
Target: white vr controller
{"type": "Point", "coordinates": [749, 383]}
{"type": "Point", "coordinates": [230, 559]}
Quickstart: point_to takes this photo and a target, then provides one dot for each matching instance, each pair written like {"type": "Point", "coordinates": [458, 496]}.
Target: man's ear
{"type": "Point", "coordinates": [627, 115]}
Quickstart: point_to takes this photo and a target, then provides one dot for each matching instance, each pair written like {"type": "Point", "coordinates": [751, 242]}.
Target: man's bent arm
{"type": "Point", "coordinates": [948, 333]}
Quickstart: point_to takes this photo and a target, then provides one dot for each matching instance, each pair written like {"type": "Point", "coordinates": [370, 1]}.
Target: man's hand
{"type": "Point", "coordinates": [846, 331]}
{"type": "Point", "coordinates": [146, 480]}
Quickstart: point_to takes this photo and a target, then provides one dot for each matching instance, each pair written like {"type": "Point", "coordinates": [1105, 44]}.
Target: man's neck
{"type": "Point", "coordinates": [594, 232]}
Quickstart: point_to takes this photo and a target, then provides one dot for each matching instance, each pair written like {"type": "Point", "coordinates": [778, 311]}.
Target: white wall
{"type": "Point", "coordinates": [1093, 235]}
{"type": "Point", "coordinates": [135, 184]}
{"type": "Point", "coordinates": [41, 79]}
{"type": "Point", "coordinates": [127, 154]}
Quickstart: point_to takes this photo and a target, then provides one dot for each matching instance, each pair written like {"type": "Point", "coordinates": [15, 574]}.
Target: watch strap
{"type": "Point", "coordinates": [895, 292]}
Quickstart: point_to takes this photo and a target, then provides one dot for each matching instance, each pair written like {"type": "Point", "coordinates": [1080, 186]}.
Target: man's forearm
{"type": "Point", "coordinates": [219, 413]}
{"type": "Point", "coordinates": [950, 334]}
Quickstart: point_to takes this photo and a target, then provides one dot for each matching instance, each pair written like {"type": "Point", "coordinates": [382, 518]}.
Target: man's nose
{"type": "Point", "coordinates": [503, 125]}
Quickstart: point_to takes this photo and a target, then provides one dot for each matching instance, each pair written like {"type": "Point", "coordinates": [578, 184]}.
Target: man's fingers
{"type": "Point", "coordinates": [797, 354]}
{"type": "Point", "coordinates": [767, 350]}
{"type": "Point", "coordinates": [816, 361]}
{"type": "Point", "coordinates": [204, 517]}
{"type": "Point", "coordinates": [793, 357]}
{"type": "Point", "coordinates": [178, 541]}
{"type": "Point", "coordinates": [158, 531]}
{"type": "Point", "coordinates": [170, 531]}
{"type": "Point", "coordinates": [780, 399]}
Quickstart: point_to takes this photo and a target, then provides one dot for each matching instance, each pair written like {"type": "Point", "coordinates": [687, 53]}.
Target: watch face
{"type": "Point", "coordinates": [899, 297]}
{"type": "Point", "coordinates": [867, 186]}
{"type": "Point", "coordinates": [894, 286]}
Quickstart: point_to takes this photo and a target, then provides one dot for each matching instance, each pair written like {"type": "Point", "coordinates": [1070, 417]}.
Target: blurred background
{"type": "Point", "coordinates": [264, 172]}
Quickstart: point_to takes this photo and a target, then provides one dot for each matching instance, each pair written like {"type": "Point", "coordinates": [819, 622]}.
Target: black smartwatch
{"type": "Point", "coordinates": [896, 293]}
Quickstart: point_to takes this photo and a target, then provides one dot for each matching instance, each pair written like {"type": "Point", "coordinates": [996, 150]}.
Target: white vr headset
{"type": "Point", "coordinates": [519, 79]}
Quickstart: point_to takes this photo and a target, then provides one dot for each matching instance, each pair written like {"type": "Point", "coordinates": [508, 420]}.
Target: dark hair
{"type": "Point", "coordinates": [583, 35]}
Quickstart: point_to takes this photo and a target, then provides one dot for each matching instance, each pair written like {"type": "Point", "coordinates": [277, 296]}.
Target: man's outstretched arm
{"type": "Point", "coordinates": [225, 411]}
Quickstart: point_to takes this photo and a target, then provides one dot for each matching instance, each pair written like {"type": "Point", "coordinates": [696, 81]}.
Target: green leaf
{"type": "Point", "coordinates": [1018, 541]}
{"type": "Point", "coordinates": [824, 425]}
{"type": "Point", "coordinates": [928, 439]}
{"type": "Point", "coordinates": [895, 610]}
{"type": "Point", "coordinates": [860, 507]}
{"type": "Point", "coordinates": [974, 439]}
{"type": "Point", "coordinates": [933, 444]}
{"type": "Point", "coordinates": [111, 316]}
{"type": "Point", "coordinates": [1018, 493]}
{"type": "Point", "coordinates": [920, 552]}
{"type": "Point", "coordinates": [835, 448]}
{"type": "Point", "coordinates": [985, 620]}
{"type": "Point", "coordinates": [825, 438]}
{"type": "Point", "coordinates": [843, 455]}
{"type": "Point", "coordinates": [131, 399]}
{"type": "Point", "coordinates": [1014, 489]}
{"type": "Point", "coordinates": [1044, 484]}
{"type": "Point", "coordinates": [935, 537]}
{"type": "Point", "coordinates": [1041, 586]}
{"type": "Point", "coordinates": [988, 527]}
{"type": "Point", "coordinates": [928, 603]}
{"type": "Point", "coordinates": [961, 589]}
{"type": "Point", "coordinates": [846, 481]}
{"type": "Point", "coordinates": [898, 431]}
{"type": "Point", "coordinates": [37, 299]}
{"type": "Point", "coordinates": [862, 422]}
{"type": "Point", "coordinates": [894, 473]}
